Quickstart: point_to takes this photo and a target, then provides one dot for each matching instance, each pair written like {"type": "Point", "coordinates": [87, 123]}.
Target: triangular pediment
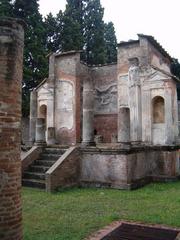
{"type": "Point", "coordinates": [158, 76]}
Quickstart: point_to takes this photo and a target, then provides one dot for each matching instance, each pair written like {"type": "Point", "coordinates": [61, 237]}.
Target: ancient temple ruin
{"type": "Point", "coordinates": [121, 118]}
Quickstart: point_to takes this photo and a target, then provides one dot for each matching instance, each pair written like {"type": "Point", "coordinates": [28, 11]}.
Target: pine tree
{"type": "Point", "coordinates": [72, 30]}
{"type": "Point", "coordinates": [94, 32]}
{"type": "Point", "coordinates": [110, 43]}
{"type": "Point", "coordinates": [35, 61]}
{"type": "Point", "coordinates": [5, 8]}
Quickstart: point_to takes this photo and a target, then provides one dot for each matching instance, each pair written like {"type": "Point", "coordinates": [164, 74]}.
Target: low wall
{"type": "Point", "coordinates": [65, 172]}
{"type": "Point", "coordinates": [126, 169]}
{"type": "Point", "coordinates": [30, 156]}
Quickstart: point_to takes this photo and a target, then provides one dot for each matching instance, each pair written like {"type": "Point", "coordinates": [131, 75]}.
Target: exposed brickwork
{"type": "Point", "coordinates": [106, 125]}
{"type": "Point", "coordinates": [11, 52]}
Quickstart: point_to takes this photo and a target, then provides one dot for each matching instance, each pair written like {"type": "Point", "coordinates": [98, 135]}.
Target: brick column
{"type": "Point", "coordinates": [11, 60]}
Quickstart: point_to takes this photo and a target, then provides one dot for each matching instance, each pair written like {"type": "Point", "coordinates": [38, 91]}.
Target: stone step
{"type": "Point", "coordinates": [33, 175]}
{"type": "Point", "coordinates": [34, 183]}
{"type": "Point", "coordinates": [44, 163]}
{"type": "Point", "coordinates": [49, 156]}
{"type": "Point", "coordinates": [38, 168]}
{"type": "Point", "coordinates": [55, 150]}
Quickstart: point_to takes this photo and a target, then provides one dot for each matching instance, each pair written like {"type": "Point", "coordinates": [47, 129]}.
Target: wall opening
{"type": "Point", "coordinates": [158, 110]}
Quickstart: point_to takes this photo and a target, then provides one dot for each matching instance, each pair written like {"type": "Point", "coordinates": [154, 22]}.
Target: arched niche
{"type": "Point", "coordinates": [158, 110]}
{"type": "Point", "coordinates": [42, 111]}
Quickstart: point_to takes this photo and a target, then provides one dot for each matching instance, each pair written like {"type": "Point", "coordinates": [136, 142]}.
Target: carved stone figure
{"type": "Point", "coordinates": [134, 79]}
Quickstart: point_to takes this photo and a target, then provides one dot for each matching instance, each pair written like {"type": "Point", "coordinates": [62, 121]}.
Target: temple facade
{"type": "Point", "coordinates": [118, 122]}
{"type": "Point", "coordinates": [132, 101]}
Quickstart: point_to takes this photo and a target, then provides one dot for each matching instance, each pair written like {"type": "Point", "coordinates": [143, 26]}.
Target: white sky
{"type": "Point", "coordinates": [159, 18]}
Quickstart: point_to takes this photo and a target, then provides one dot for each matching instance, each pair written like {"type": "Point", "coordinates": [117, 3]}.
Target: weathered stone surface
{"type": "Point", "coordinates": [40, 131]}
{"type": "Point", "coordinates": [11, 60]}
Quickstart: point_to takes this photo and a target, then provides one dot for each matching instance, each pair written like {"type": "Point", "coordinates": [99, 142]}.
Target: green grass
{"type": "Point", "coordinates": [75, 213]}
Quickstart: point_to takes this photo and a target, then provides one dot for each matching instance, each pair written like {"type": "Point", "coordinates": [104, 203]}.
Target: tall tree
{"type": "Point", "coordinates": [175, 70]}
{"type": "Point", "coordinates": [72, 30]}
{"type": "Point", "coordinates": [110, 43]}
{"type": "Point", "coordinates": [51, 32]}
{"type": "Point", "coordinates": [94, 32]}
{"type": "Point", "coordinates": [6, 8]}
{"type": "Point", "coordinates": [35, 61]}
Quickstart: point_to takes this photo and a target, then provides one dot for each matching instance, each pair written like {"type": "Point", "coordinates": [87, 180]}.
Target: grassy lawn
{"type": "Point", "coordinates": [75, 213]}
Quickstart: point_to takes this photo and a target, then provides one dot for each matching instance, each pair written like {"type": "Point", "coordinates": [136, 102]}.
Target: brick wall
{"type": "Point", "coordinates": [11, 52]}
{"type": "Point", "coordinates": [106, 125]}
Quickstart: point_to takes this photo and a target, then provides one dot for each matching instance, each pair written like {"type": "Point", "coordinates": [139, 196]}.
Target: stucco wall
{"type": "Point", "coordinates": [123, 169]}
{"type": "Point", "coordinates": [105, 118]}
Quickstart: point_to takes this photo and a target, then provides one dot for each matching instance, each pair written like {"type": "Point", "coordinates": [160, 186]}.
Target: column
{"type": "Point", "coordinates": [11, 62]}
{"type": "Point", "coordinates": [135, 101]}
{"type": "Point", "coordinates": [33, 116]}
{"type": "Point", "coordinates": [40, 131]}
{"type": "Point", "coordinates": [124, 125]}
{"type": "Point", "coordinates": [88, 113]}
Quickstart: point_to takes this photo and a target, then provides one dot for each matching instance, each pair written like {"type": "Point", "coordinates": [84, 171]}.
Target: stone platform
{"type": "Point", "coordinates": [128, 167]}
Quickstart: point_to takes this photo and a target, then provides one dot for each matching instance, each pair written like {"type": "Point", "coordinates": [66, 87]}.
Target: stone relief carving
{"type": "Point", "coordinates": [65, 96]}
{"type": "Point", "coordinates": [134, 78]}
{"type": "Point", "coordinates": [106, 99]}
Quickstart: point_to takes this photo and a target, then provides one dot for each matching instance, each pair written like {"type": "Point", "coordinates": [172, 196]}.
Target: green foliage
{"type": "Point", "coordinates": [110, 43]}
{"type": "Point", "coordinates": [175, 70]}
{"type": "Point", "coordinates": [6, 8]}
{"type": "Point", "coordinates": [72, 35]}
{"type": "Point", "coordinates": [35, 61]}
{"type": "Point", "coordinates": [74, 214]}
{"type": "Point", "coordinates": [95, 52]}
{"type": "Point", "coordinates": [53, 26]}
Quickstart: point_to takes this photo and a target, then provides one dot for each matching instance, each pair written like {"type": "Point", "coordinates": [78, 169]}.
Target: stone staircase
{"type": "Point", "coordinates": [34, 176]}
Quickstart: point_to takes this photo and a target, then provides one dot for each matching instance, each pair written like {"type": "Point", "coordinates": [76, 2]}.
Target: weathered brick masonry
{"type": "Point", "coordinates": [11, 52]}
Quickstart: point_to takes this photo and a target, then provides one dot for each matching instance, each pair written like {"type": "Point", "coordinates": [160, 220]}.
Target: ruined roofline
{"type": "Point", "coordinates": [67, 53]}
{"type": "Point", "coordinates": [126, 43]}
{"type": "Point", "coordinates": [150, 39]}
{"type": "Point", "coordinates": [98, 65]}
{"type": "Point", "coordinates": [157, 45]}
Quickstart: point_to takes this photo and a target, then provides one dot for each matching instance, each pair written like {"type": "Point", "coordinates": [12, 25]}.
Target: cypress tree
{"type": "Point", "coordinates": [110, 43]}
{"type": "Point", "coordinates": [51, 33]}
{"type": "Point", "coordinates": [72, 30]}
{"type": "Point", "coordinates": [35, 61]}
{"type": "Point", "coordinates": [94, 32]}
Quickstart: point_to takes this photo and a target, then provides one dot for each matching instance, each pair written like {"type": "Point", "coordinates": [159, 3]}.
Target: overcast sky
{"type": "Point", "coordinates": [159, 18]}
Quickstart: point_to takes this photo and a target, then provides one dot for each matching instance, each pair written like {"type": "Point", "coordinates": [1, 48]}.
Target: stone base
{"type": "Point", "coordinates": [40, 144]}
{"type": "Point", "coordinates": [128, 168]}
{"type": "Point", "coordinates": [88, 144]}
{"type": "Point", "coordinates": [130, 186]}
